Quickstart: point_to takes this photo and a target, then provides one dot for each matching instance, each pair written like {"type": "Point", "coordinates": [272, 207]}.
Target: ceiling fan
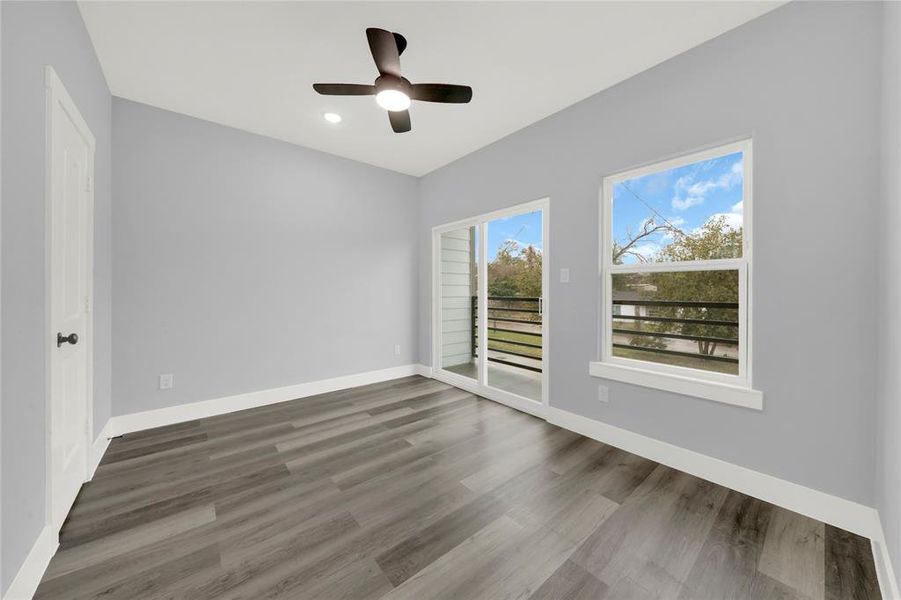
{"type": "Point", "coordinates": [392, 91]}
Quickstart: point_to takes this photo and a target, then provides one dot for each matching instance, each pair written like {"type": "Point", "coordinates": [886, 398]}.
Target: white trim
{"type": "Point", "coordinates": [679, 384]}
{"type": "Point", "coordinates": [694, 382]}
{"type": "Point", "coordinates": [500, 213]}
{"type": "Point", "coordinates": [26, 582]}
{"type": "Point", "coordinates": [424, 370]}
{"type": "Point", "coordinates": [888, 584]}
{"type": "Point", "coordinates": [732, 381]}
{"type": "Point", "coordinates": [478, 386]}
{"type": "Point", "coordinates": [468, 384]}
{"type": "Point", "coordinates": [98, 448]}
{"type": "Point", "coordinates": [815, 504]}
{"type": "Point", "coordinates": [122, 424]}
{"type": "Point", "coordinates": [719, 264]}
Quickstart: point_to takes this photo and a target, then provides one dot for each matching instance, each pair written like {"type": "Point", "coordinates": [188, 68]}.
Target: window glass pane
{"type": "Point", "coordinates": [515, 306]}
{"type": "Point", "coordinates": [459, 279]}
{"type": "Point", "coordinates": [683, 318]}
{"type": "Point", "coordinates": [692, 212]}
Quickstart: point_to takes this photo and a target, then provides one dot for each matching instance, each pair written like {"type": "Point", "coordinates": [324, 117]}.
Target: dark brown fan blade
{"type": "Point", "coordinates": [400, 120]}
{"type": "Point", "coordinates": [384, 50]}
{"type": "Point", "coordinates": [401, 43]}
{"type": "Point", "coordinates": [441, 92]}
{"type": "Point", "coordinates": [344, 89]}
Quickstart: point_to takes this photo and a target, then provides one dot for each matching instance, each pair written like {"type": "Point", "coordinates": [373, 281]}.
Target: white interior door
{"type": "Point", "coordinates": [70, 197]}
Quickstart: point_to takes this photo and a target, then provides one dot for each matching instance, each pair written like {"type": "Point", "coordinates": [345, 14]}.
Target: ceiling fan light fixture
{"type": "Point", "coordinates": [394, 92]}
{"type": "Point", "coordinates": [393, 100]}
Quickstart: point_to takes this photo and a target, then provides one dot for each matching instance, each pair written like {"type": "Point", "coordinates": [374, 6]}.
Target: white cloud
{"type": "Point", "coordinates": [686, 203]}
{"type": "Point", "coordinates": [691, 193]}
{"type": "Point", "coordinates": [738, 207]}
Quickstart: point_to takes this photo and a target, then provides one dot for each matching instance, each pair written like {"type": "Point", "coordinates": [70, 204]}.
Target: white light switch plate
{"type": "Point", "coordinates": [564, 275]}
{"type": "Point", "coordinates": [167, 381]}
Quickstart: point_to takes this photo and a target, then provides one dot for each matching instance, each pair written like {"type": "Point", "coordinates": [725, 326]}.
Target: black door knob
{"type": "Point", "coordinates": [61, 339]}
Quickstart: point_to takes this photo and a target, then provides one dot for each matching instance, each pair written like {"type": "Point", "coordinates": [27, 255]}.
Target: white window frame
{"type": "Point", "coordinates": [720, 387]}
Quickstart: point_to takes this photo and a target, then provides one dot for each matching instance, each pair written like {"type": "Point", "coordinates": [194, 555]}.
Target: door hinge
{"type": "Point", "coordinates": [87, 186]}
{"type": "Point", "coordinates": [87, 304]}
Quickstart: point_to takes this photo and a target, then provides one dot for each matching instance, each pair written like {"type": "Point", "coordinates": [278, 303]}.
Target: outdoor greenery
{"type": "Point", "coordinates": [714, 240]}
{"type": "Point", "coordinates": [497, 339]}
{"type": "Point", "coordinates": [679, 361]}
{"type": "Point", "coordinates": [515, 271]}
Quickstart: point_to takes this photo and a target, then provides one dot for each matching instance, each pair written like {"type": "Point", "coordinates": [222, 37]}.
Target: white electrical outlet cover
{"type": "Point", "coordinates": [564, 275]}
{"type": "Point", "coordinates": [603, 393]}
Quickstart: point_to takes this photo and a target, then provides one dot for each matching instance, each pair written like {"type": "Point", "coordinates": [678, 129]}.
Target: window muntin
{"type": "Point", "coordinates": [675, 266]}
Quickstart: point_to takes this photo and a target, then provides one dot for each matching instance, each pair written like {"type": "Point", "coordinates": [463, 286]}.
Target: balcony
{"type": "Point", "coordinates": [514, 349]}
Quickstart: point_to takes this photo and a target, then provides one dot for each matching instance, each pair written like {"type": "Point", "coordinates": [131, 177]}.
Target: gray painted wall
{"type": "Point", "coordinates": [811, 105]}
{"type": "Point", "coordinates": [888, 460]}
{"type": "Point", "coordinates": [222, 239]}
{"type": "Point", "coordinates": [36, 34]}
{"type": "Point", "coordinates": [232, 250]}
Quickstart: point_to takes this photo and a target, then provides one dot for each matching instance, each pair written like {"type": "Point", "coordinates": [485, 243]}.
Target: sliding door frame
{"type": "Point", "coordinates": [478, 386]}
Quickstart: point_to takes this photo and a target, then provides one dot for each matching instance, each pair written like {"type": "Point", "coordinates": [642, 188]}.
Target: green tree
{"type": "Point", "coordinates": [714, 240]}
{"type": "Point", "coordinates": [515, 271]}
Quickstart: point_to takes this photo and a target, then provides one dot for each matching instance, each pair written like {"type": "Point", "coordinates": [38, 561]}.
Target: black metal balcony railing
{"type": "Point", "coordinates": [514, 330]}
{"type": "Point", "coordinates": [680, 318]}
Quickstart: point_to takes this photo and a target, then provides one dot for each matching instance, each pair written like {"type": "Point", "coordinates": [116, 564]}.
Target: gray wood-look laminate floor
{"type": "Point", "coordinates": [413, 489]}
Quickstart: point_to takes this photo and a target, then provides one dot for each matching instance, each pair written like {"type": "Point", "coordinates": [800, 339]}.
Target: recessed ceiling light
{"type": "Point", "coordinates": [332, 117]}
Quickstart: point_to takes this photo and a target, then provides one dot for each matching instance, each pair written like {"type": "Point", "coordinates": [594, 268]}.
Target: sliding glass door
{"type": "Point", "coordinates": [489, 323]}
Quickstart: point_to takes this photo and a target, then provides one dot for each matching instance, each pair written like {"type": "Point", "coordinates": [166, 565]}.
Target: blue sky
{"type": "Point", "coordinates": [685, 196]}
{"type": "Point", "coordinates": [524, 228]}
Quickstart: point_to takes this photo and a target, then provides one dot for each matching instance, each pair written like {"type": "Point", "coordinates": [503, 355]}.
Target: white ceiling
{"type": "Point", "coordinates": [251, 65]}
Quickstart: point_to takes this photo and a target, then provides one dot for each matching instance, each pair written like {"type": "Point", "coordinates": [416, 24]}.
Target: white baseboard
{"type": "Point", "coordinates": [851, 516]}
{"type": "Point", "coordinates": [32, 570]}
{"type": "Point", "coordinates": [424, 370]}
{"type": "Point", "coordinates": [98, 448]}
{"type": "Point", "coordinates": [123, 424]}
{"type": "Point", "coordinates": [888, 585]}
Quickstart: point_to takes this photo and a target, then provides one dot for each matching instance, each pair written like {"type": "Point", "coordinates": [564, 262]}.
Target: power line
{"type": "Point", "coordinates": [651, 208]}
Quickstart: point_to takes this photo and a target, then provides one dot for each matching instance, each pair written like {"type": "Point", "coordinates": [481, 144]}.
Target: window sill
{"type": "Point", "coordinates": [689, 386]}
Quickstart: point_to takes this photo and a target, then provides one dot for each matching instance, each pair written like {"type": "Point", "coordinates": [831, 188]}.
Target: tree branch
{"type": "Point", "coordinates": [648, 228]}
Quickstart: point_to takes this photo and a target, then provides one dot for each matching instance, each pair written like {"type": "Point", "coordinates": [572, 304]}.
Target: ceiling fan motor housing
{"type": "Point", "coordinates": [390, 82]}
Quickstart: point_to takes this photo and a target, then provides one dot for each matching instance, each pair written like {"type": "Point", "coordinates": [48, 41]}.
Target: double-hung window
{"type": "Point", "coordinates": [676, 276]}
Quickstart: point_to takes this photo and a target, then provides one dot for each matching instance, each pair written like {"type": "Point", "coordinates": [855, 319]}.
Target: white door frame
{"type": "Point", "coordinates": [56, 93]}
{"type": "Point", "coordinates": [478, 386]}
